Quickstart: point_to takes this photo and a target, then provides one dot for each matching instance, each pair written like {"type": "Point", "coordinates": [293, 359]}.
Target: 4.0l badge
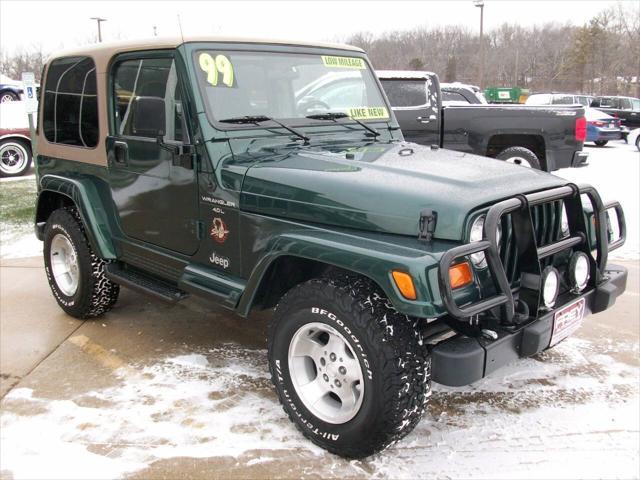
{"type": "Point", "coordinates": [219, 231]}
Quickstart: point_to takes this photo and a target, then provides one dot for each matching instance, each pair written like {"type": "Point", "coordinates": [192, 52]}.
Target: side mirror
{"type": "Point", "coordinates": [148, 117]}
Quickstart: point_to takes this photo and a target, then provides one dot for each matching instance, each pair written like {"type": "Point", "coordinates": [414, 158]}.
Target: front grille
{"type": "Point", "coordinates": [547, 226]}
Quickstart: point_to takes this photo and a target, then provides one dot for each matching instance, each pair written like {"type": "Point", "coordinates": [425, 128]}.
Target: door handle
{"type": "Point", "coordinates": [121, 153]}
{"type": "Point", "coordinates": [423, 119]}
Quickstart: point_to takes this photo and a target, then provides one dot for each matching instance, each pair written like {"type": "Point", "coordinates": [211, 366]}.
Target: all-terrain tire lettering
{"type": "Point", "coordinates": [96, 294]}
{"type": "Point", "coordinates": [389, 346]}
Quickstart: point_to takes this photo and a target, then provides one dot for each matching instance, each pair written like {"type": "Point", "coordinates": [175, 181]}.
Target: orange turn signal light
{"type": "Point", "coordinates": [404, 282]}
{"type": "Point", "coordinates": [460, 275]}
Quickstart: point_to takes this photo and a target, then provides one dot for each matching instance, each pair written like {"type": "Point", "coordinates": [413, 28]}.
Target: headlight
{"type": "Point", "coordinates": [475, 235]}
{"type": "Point", "coordinates": [564, 222]}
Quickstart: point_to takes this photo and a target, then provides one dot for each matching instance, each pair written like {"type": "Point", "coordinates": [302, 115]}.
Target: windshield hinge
{"type": "Point", "coordinates": [428, 220]}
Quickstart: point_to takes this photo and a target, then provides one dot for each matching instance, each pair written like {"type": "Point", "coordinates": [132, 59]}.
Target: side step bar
{"type": "Point", "coordinates": [144, 283]}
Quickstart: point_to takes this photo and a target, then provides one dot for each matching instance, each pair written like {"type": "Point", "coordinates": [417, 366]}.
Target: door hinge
{"type": "Point", "coordinates": [200, 230]}
{"type": "Point", "coordinates": [427, 225]}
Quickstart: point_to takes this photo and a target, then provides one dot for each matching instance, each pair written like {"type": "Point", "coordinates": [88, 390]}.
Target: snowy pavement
{"type": "Point", "coordinates": [150, 391]}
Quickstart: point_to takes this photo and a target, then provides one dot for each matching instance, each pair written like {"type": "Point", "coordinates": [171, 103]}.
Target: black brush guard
{"type": "Point", "coordinates": [461, 360]}
{"type": "Point", "coordinates": [529, 254]}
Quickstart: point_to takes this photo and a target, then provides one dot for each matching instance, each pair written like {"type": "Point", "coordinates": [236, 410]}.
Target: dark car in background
{"type": "Point", "coordinates": [601, 127]}
{"type": "Point", "coordinates": [544, 137]}
{"type": "Point", "coordinates": [627, 109]}
{"type": "Point", "coordinates": [10, 92]}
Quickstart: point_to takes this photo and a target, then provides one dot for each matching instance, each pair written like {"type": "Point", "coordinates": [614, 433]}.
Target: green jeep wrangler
{"type": "Point", "coordinates": [271, 174]}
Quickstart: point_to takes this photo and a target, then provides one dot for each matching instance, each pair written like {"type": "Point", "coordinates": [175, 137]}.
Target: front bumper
{"type": "Point", "coordinates": [465, 359]}
{"type": "Point", "coordinates": [462, 360]}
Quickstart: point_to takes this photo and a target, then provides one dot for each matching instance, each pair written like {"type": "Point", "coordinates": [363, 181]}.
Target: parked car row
{"type": "Point", "coordinates": [618, 115]}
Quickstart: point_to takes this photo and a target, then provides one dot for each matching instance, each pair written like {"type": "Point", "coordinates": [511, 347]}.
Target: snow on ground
{"type": "Point", "coordinates": [614, 170]}
{"type": "Point", "coordinates": [572, 412]}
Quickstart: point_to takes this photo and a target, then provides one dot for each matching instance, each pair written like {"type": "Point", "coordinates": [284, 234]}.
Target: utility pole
{"type": "Point", "coordinates": [480, 3]}
{"type": "Point", "coordinates": [99, 21]}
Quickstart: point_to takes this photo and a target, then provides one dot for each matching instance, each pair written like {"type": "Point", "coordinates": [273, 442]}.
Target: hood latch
{"type": "Point", "coordinates": [428, 220]}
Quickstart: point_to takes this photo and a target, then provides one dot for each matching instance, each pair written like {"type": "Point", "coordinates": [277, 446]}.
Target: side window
{"type": "Point", "coordinates": [453, 98]}
{"type": "Point", "coordinates": [625, 104]}
{"type": "Point", "coordinates": [563, 100]}
{"type": "Point", "coordinates": [607, 102]}
{"type": "Point", "coordinates": [70, 112]}
{"type": "Point", "coordinates": [406, 93]}
{"type": "Point", "coordinates": [147, 99]}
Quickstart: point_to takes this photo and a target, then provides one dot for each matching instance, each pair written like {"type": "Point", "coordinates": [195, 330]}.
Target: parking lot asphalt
{"type": "Point", "coordinates": [157, 391]}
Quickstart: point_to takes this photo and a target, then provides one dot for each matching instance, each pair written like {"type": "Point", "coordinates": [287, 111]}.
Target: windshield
{"type": "Point", "coordinates": [635, 102]}
{"type": "Point", "coordinates": [286, 86]}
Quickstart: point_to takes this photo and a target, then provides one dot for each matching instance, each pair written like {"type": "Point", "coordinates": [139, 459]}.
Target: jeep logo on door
{"type": "Point", "coordinates": [219, 231]}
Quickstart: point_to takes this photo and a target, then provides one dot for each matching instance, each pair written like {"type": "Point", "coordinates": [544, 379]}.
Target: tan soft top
{"type": "Point", "coordinates": [103, 52]}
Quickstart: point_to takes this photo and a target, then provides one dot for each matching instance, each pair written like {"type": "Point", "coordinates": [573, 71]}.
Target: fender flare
{"type": "Point", "coordinates": [86, 196]}
{"type": "Point", "coordinates": [354, 257]}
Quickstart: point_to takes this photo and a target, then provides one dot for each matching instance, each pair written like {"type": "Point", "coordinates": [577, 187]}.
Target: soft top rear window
{"type": "Point", "coordinates": [70, 111]}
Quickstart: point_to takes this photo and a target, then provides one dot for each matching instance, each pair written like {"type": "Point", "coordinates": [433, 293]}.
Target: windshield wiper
{"type": "Point", "coordinates": [336, 115]}
{"type": "Point", "coordinates": [257, 119]}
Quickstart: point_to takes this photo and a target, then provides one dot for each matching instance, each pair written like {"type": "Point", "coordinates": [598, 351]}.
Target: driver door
{"type": "Point", "coordinates": [153, 188]}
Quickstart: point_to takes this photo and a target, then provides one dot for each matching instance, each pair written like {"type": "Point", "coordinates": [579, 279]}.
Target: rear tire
{"type": "Point", "coordinates": [638, 142]}
{"type": "Point", "coordinates": [601, 143]}
{"type": "Point", "coordinates": [520, 156]}
{"type": "Point", "coordinates": [75, 273]}
{"type": "Point", "coordinates": [387, 366]}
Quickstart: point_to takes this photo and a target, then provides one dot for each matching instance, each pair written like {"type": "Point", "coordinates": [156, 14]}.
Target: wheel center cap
{"type": "Point", "coordinates": [332, 369]}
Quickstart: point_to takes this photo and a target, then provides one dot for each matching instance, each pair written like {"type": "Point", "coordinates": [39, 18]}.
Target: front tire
{"type": "Point", "coordinates": [601, 143]}
{"type": "Point", "coordinates": [350, 371]}
{"type": "Point", "coordinates": [75, 273]}
{"type": "Point", "coordinates": [520, 156]}
{"type": "Point", "coordinates": [15, 158]}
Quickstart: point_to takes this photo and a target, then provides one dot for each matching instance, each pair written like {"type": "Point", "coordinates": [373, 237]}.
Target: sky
{"type": "Point", "coordinates": [61, 24]}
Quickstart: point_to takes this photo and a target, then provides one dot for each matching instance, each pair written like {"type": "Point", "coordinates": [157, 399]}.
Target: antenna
{"type": "Point", "coordinates": [180, 26]}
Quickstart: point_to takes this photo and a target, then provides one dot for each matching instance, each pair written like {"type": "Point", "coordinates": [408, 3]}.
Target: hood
{"type": "Point", "coordinates": [380, 187]}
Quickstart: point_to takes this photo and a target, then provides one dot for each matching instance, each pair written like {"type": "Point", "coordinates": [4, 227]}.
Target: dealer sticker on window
{"type": "Point", "coordinates": [368, 113]}
{"type": "Point", "coordinates": [567, 320]}
{"type": "Point", "coordinates": [343, 62]}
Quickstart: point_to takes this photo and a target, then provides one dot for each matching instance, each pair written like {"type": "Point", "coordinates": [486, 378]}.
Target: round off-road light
{"type": "Point", "coordinates": [578, 271]}
{"type": "Point", "coordinates": [550, 286]}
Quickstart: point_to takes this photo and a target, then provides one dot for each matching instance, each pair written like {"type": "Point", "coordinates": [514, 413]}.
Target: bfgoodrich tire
{"type": "Point", "coordinates": [520, 156]}
{"type": "Point", "coordinates": [75, 273]}
{"type": "Point", "coordinates": [350, 371]}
